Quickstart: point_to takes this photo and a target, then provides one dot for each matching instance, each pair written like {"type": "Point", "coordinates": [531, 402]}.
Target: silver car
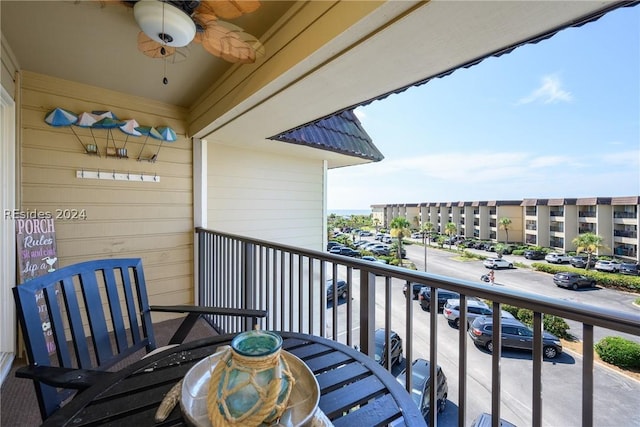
{"type": "Point", "coordinates": [475, 308]}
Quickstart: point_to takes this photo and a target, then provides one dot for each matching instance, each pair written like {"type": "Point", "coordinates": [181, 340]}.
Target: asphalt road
{"type": "Point", "coordinates": [616, 396]}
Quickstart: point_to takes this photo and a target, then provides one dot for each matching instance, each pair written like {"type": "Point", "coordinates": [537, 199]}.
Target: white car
{"type": "Point", "coordinates": [497, 263]}
{"type": "Point", "coordinates": [607, 265]}
{"type": "Point", "coordinates": [557, 258]}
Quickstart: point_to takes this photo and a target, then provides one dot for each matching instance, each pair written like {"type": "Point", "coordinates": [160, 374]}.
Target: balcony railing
{"type": "Point", "coordinates": [291, 284]}
{"type": "Point", "coordinates": [622, 214]}
{"type": "Point", "coordinates": [625, 233]}
{"type": "Point", "coordinates": [586, 214]}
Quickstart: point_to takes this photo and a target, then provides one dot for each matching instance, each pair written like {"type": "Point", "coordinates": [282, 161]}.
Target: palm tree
{"type": "Point", "coordinates": [427, 229]}
{"type": "Point", "coordinates": [588, 243]}
{"type": "Point", "coordinates": [504, 224]}
{"type": "Point", "coordinates": [450, 230]}
{"type": "Point", "coordinates": [400, 229]}
{"type": "Point", "coordinates": [376, 223]}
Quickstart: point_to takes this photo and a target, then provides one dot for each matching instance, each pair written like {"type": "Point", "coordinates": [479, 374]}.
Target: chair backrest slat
{"type": "Point", "coordinates": [72, 297]}
{"type": "Point", "coordinates": [117, 320]}
{"type": "Point", "coordinates": [95, 315]}
{"type": "Point", "coordinates": [132, 307]}
{"type": "Point", "coordinates": [57, 322]}
{"type": "Point", "coordinates": [143, 301]}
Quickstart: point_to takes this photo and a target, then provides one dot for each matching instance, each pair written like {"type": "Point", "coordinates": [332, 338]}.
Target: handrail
{"type": "Point", "coordinates": [258, 274]}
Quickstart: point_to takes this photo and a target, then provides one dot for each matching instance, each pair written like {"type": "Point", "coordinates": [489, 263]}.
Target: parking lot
{"type": "Point", "coordinates": [562, 376]}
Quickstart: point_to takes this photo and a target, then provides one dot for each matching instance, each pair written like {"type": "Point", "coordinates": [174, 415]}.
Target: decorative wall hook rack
{"type": "Point", "coordinates": [116, 176]}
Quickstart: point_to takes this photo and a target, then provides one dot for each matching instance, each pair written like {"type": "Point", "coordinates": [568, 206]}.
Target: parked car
{"type": "Point", "coordinates": [497, 263]}
{"type": "Point", "coordinates": [557, 258]}
{"type": "Point", "coordinates": [534, 254]}
{"type": "Point", "coordinates": [515, 334]}
{"type": "Point", "coordinates": [443, 295]}
{"type": "Point", "coordinates": [611, 266]}
{"type": "Point", "coordinates": [381, 349]}
{"type": "Point", "coordinates": [341, 289]}
{"type": "Point", "coordinates": [365, 233]}
{"type": "Point", "coordinates": [333, 244]}
{"type": "Point", "coordinates": [484, 420]}
{"type": "Point", "coordinates": [629, 269]}
{"type": "Point", "coordinates": [379, 249]}
{"type": "Point", "coordinates": [481, 244]}
{"type": "Point", "coordinates": [416, 287]}
{"type": "Point", "coordinates": [475, 308]}
{"type": "Point", "coordinates": [573, 280]}
{"type": "Point", "coordinates": [421, 386]}
{"type": "Point", "coordinates": [343, 250]}
{"type": "Point", "coordinates": [373, 259]}
{"type": "Point", "coordinates": [580, 261]}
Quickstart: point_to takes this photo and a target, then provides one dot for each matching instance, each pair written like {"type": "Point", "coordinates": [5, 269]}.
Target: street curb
{"type": "Point", "coordinates": [600, 363]}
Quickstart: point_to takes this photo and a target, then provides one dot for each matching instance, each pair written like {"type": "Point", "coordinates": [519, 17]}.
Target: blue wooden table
{"type": "Point", "coordinates": [354, 389]}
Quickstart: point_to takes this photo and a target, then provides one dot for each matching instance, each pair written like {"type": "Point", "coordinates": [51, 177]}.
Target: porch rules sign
{"type": "Point", "coordinates": [36, 245]}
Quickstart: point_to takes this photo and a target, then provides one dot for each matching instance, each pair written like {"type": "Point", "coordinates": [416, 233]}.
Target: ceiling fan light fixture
{"type": "Point", "coordinates": [164, 23]}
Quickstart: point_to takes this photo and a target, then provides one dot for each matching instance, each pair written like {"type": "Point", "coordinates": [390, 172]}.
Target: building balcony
{"type": "Point", "coordinates": [290, 283]}
{"type": "Point", "coordinates": [626, 233]}
{"type": "Point", "coordinates": [586, 214]}
{"type": "Point", "coordinates": [556, 213]}
{"type": "Point", "coordinates": [625, 214]}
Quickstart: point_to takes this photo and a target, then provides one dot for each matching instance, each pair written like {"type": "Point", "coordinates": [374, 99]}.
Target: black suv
{"type": "Point", "coordinates": [415, 289]}
{"type": "Point", "coordinates": [381, 349]}
{"type": "Point", "coordinates": [443, 295]}
{"type": "Point", "coordinates": [533, 254]}
{"type": "Point", "coordinates": [420, 376]}
{"type": "Point", "coordinates": [515, 334]}
{"type": "Point", "coordinates": [341, 289]}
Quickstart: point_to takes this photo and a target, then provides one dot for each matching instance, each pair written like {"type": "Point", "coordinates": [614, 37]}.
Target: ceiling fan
{"type": "Point", "coordinates": [167, 25]}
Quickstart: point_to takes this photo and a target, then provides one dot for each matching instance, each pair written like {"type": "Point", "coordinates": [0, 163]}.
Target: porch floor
{"type": "Point", "coordinates": [18, 403]}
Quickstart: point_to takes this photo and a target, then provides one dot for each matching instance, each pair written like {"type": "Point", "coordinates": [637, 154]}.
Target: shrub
{"type": "Point", "coordinates": [472, 255]}
{"type": "Point", "coordinates": [518, 252]}
{"type": "Point", "coordinates": [619, 352]}
{"type": "Point", "coordinates": [608, 280]}
{"type": "Point", "coordinates": [552, 324]}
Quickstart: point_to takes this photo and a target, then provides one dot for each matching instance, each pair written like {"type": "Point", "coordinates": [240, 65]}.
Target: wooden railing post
{"type": "Point", "coordinates": [248, 280]}
{"type": "Point", "coordinates": [367, 313]}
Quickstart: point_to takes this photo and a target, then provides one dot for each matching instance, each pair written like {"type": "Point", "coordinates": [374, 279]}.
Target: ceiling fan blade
{"type": "Point", "coordinates": [228, 9]}
{"type": "Point", "coordinates": [152, 48]}
{"type": "Point", "coordinates": [231, 43]}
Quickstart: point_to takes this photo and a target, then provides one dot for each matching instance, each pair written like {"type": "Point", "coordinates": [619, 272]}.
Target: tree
{"type": "Point", "coordinates": [427, 229]}
{"type": "Point", "coordinates": [588, 243]}
{"type": "Point", "coordinates": [376, 223]}
{"type": "Point", "coordinates": [504, 224]}
{"type": "Point", "coordinates": [400, 229]}
{"type": "Point", "coordinates": [450, 230]}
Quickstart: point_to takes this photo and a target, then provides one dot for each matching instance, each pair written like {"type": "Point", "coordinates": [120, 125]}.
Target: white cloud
{"type": "Point", "coordinates": [626, 158]}
{"type": "Point", "coordinates": [549, 92]}
{"type": "Point", "coordinates": [549, 161]}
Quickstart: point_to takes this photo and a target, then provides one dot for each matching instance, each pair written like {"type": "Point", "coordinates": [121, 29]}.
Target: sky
{"type": "Point", "coordinates": [560, 118]}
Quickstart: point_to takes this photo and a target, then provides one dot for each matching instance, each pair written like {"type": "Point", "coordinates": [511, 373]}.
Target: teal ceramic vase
{"type": "Point", "coordinates": [250, 386]}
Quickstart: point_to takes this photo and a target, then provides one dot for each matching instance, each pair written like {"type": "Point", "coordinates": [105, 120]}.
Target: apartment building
{"type": "Point", "coordinates": [552, 223]}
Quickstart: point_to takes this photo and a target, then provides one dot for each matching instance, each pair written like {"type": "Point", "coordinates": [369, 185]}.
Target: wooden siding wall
{"type": "Point", "coordinates": [150, 220]}
{"type": "Point", "coordinates": [266, 196]}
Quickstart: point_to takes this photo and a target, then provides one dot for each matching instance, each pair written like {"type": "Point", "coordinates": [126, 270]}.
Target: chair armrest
{"type": "Point", "coordinates": [77, 379]}
{"type": "Point", "coordinates": [194, 313]}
